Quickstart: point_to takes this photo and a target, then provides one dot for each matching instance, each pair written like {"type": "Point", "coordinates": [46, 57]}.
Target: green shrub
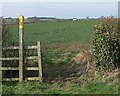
{"type": "Point", "coordinates": [106, 44]}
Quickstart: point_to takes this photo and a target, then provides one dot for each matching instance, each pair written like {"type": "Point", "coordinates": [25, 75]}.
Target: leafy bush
{"type": "Point", "coordinates": [106, 44]}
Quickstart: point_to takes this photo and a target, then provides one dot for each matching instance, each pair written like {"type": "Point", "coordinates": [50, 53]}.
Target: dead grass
{"type": "Point", "coordinates": [114, 73]}
{"type": "Point", "coordinates": [83, 57]}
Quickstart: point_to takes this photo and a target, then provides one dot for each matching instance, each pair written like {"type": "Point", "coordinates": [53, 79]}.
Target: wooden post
{"type": "Point", "coordinates": [39, 61]}
{"type": "Point", "coordinates": [21, 47]}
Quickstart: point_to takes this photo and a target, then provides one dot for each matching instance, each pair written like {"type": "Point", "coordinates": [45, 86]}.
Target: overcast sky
{"type": "Point", "coordinates": [60, 8]}
{"type": "Point", "coordinates": [60, 0]}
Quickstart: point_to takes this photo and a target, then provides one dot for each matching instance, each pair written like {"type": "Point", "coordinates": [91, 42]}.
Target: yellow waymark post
{"type": "Point", "coordinates": [21, 22]}
{"type": "Point", "coordinates": [21, 47]}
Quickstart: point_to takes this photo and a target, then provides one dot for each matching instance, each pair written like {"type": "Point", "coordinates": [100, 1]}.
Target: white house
{"type": "Point", "coordinates": [74, 19]}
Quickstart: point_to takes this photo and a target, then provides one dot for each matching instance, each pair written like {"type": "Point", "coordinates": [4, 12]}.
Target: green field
{"type": "Point", "coordinates": [62, 75]}
{"type": "Point", "coordinates": [57, 32]}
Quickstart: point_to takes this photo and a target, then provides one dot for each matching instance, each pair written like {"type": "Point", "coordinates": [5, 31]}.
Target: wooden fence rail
{"type": "Point", "coordinates": [17, 47]}
{"type": "Point", "coordinates": [10, 58]}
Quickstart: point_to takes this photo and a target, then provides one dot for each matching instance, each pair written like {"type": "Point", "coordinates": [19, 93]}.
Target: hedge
{"type": "Point", "coordinates": [106, 43]}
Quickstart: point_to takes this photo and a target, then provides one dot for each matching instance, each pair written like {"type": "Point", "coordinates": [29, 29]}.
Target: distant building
{"type": "Point", "coordinates": [74, 19]}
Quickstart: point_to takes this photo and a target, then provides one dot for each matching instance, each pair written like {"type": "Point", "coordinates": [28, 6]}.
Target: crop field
{"type": "Point", "coordinates": [57, 32]}
{"type": "Point", "coordinates": [61, 43]}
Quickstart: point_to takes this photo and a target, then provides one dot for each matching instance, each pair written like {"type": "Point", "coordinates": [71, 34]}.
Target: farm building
{"type": "Point", "coordinates": [74, 19]}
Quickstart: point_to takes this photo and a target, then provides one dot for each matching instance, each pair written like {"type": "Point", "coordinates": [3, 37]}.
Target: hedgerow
{"type": "Point", "coordinates": [106, 44]}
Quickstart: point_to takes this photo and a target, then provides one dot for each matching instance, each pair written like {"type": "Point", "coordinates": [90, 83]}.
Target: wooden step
{"type": "Point", "coordinates": [32, 68]}
{"type": "Point", "coordinates": [9, 68]}
{"type": "Point", "coordinates": [17, 47]}
{"type": "Point", "coordinates": [11, 47]}
{"type": "Point", "coordinates": [34, 78]}
{"type": "Point", "coordinates": [31, 47]}
{"type": "Point", "coordinates": [32, 57]}
{"type": "Point", "coordinates": [11, 58]}
{"type": "Point", "coordinates": [10, 79]}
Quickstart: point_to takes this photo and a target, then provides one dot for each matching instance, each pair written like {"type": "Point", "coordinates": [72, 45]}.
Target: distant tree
{"type": "Point", "coordinates": [111, 16]}
{"type": "Point", "coordinates": [87, 17]}
{"type": "Point", "coordinates": [9, 17]}
{"type": "Point", "coordinates": [102, 17]}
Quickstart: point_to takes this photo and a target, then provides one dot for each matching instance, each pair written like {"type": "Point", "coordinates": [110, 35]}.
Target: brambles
{"type": "Point", "coordinates": [106, 44]}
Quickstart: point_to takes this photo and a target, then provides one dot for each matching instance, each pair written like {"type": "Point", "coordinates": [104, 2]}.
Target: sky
{"type": "Point", "coordinates": [60, 0]}
{"type": "Point", "coordinates": [59, 8]}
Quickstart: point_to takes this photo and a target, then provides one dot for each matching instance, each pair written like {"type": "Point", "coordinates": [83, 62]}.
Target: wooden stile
{"type": "Point", "coordinates": [22, 58]}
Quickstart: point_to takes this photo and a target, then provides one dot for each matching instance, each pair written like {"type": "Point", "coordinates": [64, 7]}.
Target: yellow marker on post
{"type": "Point", "coordinates": [21, 22]}
{"type": "Point", "coordinates": [21, 48]}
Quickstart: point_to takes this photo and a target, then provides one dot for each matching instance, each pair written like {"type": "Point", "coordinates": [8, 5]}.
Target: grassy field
{"type": "Point", "coordinates": [61, 42]}
{"type": "Point", "coordinates": [57, 32]}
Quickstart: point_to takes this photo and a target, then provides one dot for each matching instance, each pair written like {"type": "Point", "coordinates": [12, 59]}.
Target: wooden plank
{"type": "Point", "coordinates": [10, 79]}
{"type": "Point", "coordinates": [32, 57]}
{"type": "Point", "coordinates": [32, 68]}
{"type": "Point", "coordinates": [33, 78]}
{"type": "Point", "coordinates": [10, 58]}
{"type": "Point", "coordinates": [17, 47]}
{"type": "Point", "coordinates": [31, 47]}
{"type": "Point", "coordinates": [39, 60]}
{"type": "Point", "coordinates": [12, 47]}
{"type": "Point", "coordinates": [9, 68]}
